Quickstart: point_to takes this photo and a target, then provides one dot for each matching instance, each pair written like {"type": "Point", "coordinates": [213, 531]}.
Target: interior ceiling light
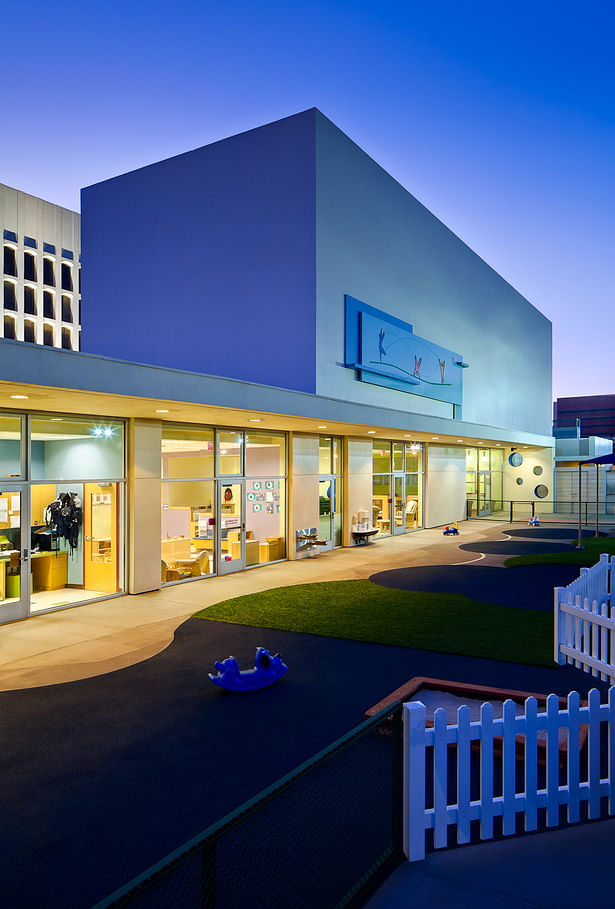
{"type": "Point", "coordinates": [20, 397]}
{"type": "Point", "coordinates": [371, 432]}
{"type": "Point", "coordinates": [435, 438]}
{"type": "Point", "coordinates": [460, 440]}
{"type": "Point", "coordinates": [321, 427]}
{"type": "Point", "coordinates": [162, 411]}
{"type": "Point", "coordinates": [57, 420]}
{"type": "Point", "coordinates": [253, 420]}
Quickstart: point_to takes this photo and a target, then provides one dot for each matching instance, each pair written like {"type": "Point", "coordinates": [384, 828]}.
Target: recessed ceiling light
{"type": "Point", "coordinates": [371, 432]}
{"type": "Point", "coordinates": [480, 443]}
{"type": "Point", "coordinates": [162, 411]}
{"type": "Point", "coordinates": [526, 446]}
{"type": "Point", "coordinates": [499, 443]}
{"type": "Point", "coordinates": [434, 438]}
{"type": "Point", "coordinates": [460, 440]}
{"type": "Point", "coordinates": [57, 420]}
{"type": "Point", "coordinates": [321, 427]}
{"type": "Point", "coordinates": [20, 397]}
{"type": "Point", "coordinates": [407, 437]}
{"type": "Point", "coordinates": [253, 420]}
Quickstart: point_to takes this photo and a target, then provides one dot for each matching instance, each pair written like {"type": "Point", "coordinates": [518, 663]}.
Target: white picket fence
{"type": "Point", "coordinates": [584, 621]}
{"type": "Point", "coordinates": [420, 739]}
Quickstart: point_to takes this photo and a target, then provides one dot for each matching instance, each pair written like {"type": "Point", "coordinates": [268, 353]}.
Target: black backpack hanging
{"type": "Point", "coordinates": [64, 517]}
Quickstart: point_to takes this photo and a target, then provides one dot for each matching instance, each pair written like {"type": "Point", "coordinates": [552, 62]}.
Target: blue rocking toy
{"type": "Point", "coordinates": [268, 668]}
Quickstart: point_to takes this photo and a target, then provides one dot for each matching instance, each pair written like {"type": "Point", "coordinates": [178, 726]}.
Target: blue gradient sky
{"type": "Point", "coordinates": [501, 120]}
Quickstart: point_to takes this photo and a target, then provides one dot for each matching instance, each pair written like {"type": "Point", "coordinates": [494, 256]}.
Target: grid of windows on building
{"type": "Point", "coordinates": [77, 546]}
{"type": "Point", "coordinates": [330, 492]}
{"type": "Point", "coordinates": [484, 469]}
{"type": "Point", "coordinates": [223, 500]}
{"type": "Point", "coordinates": [397, 483]}
{"type": "Point", "coordinates": [38, 313]}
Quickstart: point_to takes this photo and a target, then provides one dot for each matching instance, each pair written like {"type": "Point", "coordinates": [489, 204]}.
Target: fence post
{"type": "Point", "coordinates": [397, 793]}
{"type": "Point", "coordinates": [558, 631]}
{"type": "Point", "coordinates": [414, 781]}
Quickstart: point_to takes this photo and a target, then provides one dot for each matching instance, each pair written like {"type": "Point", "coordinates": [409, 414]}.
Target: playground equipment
{"type": "Point", "coordinates": [267, 669]}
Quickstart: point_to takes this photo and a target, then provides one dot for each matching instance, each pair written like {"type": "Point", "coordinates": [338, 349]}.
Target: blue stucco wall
{"type": "Point", "coordinates": [206, 261]}
{"type": "Point", "coordinates": [377, 243]}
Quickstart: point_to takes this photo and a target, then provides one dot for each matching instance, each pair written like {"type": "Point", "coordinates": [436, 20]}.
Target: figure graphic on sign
{"type": "Point", "coordinates": [442, 368]}
{"type": "Point", "coordinates": [381, 349]}
{"type": "Point", "coordinates": [417, 367]}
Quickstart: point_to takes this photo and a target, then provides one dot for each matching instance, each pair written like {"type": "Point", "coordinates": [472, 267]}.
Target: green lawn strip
{"type": "Point", "coordinates": [362, 611]}
{"type": "Point", "coordinates": [582, 557]}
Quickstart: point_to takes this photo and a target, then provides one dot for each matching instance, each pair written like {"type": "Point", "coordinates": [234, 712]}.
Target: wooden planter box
{"type": "Point", "coordinates": [477, 693]}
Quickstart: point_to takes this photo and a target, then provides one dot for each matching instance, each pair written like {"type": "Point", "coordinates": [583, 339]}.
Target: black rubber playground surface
{"type": "Point", "coordinates": [101, 778]}
{"type": "Point", "coordinates": [514, 547]}
{"type": "Point", "coordinates": [549, 532]}
{"type": "Point", "coordinates": [525, 587]}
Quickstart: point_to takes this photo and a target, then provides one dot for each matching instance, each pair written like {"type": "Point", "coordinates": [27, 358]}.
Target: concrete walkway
{"type": "Point", "coordinates": [101, 637]}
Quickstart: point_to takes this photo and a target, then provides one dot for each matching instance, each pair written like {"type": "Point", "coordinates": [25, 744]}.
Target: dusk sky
{"type": "Point", "coordinates": [499, 118]}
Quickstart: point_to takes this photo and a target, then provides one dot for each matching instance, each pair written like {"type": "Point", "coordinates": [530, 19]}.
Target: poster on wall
{"type": "Point", "coordinates": [230, 520]}
{"type": "Point", "coordinates": [251, 497]}
{"type": "Point", "coordinates": [257, 507]}
{"type": "Point", "coordinates": [269, 484]}
{"type": "Point", "coordinates": [256, 484]}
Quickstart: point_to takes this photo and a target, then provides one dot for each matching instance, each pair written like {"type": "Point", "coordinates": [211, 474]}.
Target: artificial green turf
{"type": "Point", "coordinates": [583, 557]}
{"type": "Point", "coordinates": [362, 611]}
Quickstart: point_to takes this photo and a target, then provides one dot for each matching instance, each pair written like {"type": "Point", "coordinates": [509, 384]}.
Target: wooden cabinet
{"type": "Point", "coordinates": [49, 570]}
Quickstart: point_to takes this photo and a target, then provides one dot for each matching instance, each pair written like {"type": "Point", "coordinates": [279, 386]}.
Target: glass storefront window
{"type": "Point", "coordinates": [230, 451]}
{"type": "Point", "coordinates": [67, 448]}
{"type": "Point", "coordinates": [337, 457]}
{"type": "Point", "coordinates": [187, 452]}
{"type": "Point", "coordinates": [10, 447]}
{"type": "Point", "coordinates": [324, 455]}
{"type": "Point", "coordinates": [483, 459]}
{"type": "Point", "coordinates": [414, 501]}
{"type": "Point", "coordinates": [497, 458]}
{"type": "Point", "coordinates": [414, 457]}
{"type": "Point", "coordinates": [382, 457]}
{"type": "Point", "coordinates": [471, 459]}
{"type": "Point", "coordinates": [382, 503]}
{"type": "Point", "coordinates": [265, 520]}
{"type": "Point", "coordinates": [398, 456]}
{"type": "Point", "coordinates": [265, 455]}
{"type": "Point", "coordinates": [187, 529]}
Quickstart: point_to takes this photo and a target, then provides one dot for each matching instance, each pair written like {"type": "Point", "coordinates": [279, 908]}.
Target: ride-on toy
{"type": "Point", "coordinates": [267, 669]}
{"type": "Point", "coordinates": [451, 530]}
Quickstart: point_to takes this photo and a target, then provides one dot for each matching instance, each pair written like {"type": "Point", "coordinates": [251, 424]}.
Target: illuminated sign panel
{"type": "Point", "coordinates": [385, 351]}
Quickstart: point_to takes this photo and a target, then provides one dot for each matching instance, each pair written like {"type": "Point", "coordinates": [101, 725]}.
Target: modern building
{"type": "Point", "coordinates": [586, 415]}
{"type": "Point", "coordinates": [283, 349]}
{"type": "Point", "coordinates": [597, 482]}
{"type": "Point", "coordinates": [40, 271]}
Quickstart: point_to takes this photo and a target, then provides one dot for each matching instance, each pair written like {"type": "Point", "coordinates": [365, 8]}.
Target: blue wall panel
{"type": "Point", "coordinates": [206, 261]}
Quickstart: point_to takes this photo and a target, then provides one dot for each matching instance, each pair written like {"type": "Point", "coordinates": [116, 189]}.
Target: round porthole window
{"type": "Point", "coordinates": [541, 491]}
{"type": "Point", "coordinates": [515, 459]}
{"type": "Point", "coordinates": [537, 470]}
{"type": "Point", "coordinates": [519, 481]}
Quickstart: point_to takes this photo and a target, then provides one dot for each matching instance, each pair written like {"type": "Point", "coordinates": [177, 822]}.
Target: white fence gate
{"type": "Point", "coordinates": [538, 730]}
{"type": "Point", "coordinates": [584, 621]}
